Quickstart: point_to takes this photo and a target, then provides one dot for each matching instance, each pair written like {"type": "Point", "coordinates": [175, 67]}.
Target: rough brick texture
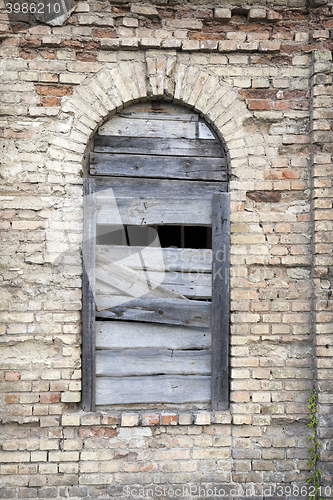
{"type": "Point", "coordinates": [261, 75]}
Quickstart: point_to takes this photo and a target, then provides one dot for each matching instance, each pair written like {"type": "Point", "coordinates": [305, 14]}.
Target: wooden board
{"type": "Point", "coordinates": [156, 284]}
{"type": "Point", "coordinates": [127, 335]}
{"type": "Point", "coordinates": [141, 212]}
{"type": "Point", "coordinates": [132, 282]}
{"type": "Point", "coordinates": [173, 167]}
{"type": "Point", "coordinates": [88, 299]}
{"type": "Point", "coordinates": [143, 127]}
{"type": "Point", "coordinates": [141, 115]}
{"type": "Point", "coordinates": [158, 146]}
{"type": "Point", "coordinates": [159, 259]}
{"type": "Point", "coordinates": [164, 311]}
{"type": "Point", "coordinates": [122, 187]}
{"type": "Point", "coordinates": [220, 302]}
{"type": "Point", "coordinates": [137, 362]}
{"type": "Point", "coordinates": [155, 389]}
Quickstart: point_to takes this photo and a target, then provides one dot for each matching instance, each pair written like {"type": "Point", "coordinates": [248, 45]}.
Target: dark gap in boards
{"type": "Point", "coordinates": [198, 237]}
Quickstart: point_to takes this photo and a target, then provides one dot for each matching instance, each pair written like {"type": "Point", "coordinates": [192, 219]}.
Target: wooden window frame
{"type": "Point", "coordinates": [220, 315]}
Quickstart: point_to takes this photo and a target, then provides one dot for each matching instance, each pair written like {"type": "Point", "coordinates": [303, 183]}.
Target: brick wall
{"type": "Point", "coordinates": [262, 76]}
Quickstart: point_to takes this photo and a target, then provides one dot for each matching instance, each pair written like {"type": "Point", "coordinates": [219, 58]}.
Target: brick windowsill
{"type": "Point", "coordinates": [147, 419]}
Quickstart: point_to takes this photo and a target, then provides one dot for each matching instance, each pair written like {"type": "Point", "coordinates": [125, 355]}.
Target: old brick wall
{"type": "Point", "coordinates": [262, 76]}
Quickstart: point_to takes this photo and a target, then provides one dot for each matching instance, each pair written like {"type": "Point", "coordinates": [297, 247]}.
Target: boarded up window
{"type": "Point", "coordinates": [156, 251]}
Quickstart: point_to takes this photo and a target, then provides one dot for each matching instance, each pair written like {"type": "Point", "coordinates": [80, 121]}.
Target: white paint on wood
{"type": "Point", "coordinates": [126, 335]}
{"type": "Point", "coordinates": [137, 362]}
{"type": "Point", "coordinates": [155, 389]}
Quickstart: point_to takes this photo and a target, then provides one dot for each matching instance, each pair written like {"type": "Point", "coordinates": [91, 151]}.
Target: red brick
{"type": "Point", "coordinates": [110, 420]}
{"type": "Point", "coordinates": [259, 104]}
{"type": "Point", "coordinates": [49, 398]}
{"type": "Point", "coordinates": [86, 56]}
{"type": "Point", "coordinates": [264, 196]}
{"type": "Point", "coordinates": [303, 217]}
{"type": "Point", "coordinates": [31, 42]}
{"type": "Point", "coordinates": [12, 399]}
{"type": "Point", "coordinates": [48, 54]}
{"type": "Point", "coordinates": [75, 44]}
{"type": "Point", "coordinates": [51, 101]}
{"type": "Point", "coordinates": [54, 90]}
{"type": "Point", "coordinates": [48, 77]}
{"type": "Point", "coordinates": [169, 419]}
{"type": "Point", "coordinates": [97, 431]}
{"type": "Point", "coordinates": [28, 54]}
{"type": "Point", "coordinates": [104, 33]}
{"type": "Point", "coordinates": [287, 174]}
{"type": "Point", "coordinates": [150, 419]}
{"type": "Point", "coordinates": [12, 376]}
{"type": "Point", "coordinates": [282, 105]}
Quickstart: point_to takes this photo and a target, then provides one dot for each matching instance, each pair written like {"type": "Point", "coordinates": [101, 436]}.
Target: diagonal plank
{"type": "Point", "coordinates": [131, 282]}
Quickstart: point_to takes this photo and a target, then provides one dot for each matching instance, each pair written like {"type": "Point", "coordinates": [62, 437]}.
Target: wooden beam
{"type": "Point", "coordinates": [88, 297]}
{"type": "Point", "coordinates": [128, 335]}
{"type": "Point", "coordinates": [156, 389]}
{"type": "Point", "coordinates": [220, 301]}
{"type": "Point", "coordinates": [158, 259]}
{"type": "Point", "coordinates": [169, 311]}
{"type": "Point", "coordinates": [158, 146]}
{"type": "Point", "coordinates": [147, 212]}
{"type": "Point", "coordinates": [125, 187]}
{"type": "Point", "coordinates": [138, 362]}
{"type": "Point", "coordinates": [172, 167]}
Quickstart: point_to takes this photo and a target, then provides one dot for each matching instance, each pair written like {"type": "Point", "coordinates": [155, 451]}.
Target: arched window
{"type": "Point", "coordinates": [156, 258]}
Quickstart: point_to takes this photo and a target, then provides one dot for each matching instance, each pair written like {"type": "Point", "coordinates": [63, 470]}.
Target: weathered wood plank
{"type": "Point", "coordinates": [158, 146]}
{"type": "Point", "coordinates": [143, 212]}
{"type": "Point", "coordinates": [156, 389]}
{"type": "Point", "coordinates": [173, 167]}
{"type": "Point", "coordinates": [164, 311]}
{"type": "Point", "coordinates": [220, 302]}
{"type": "Point", "coordinates": [122, 187]}
{"type": "Point", "coordinates": [158, 259]}
{"type": "Point", "coordinates": [132, 282]}
{"type": "Point", "coordinates": [151, 127]}
{"type": "Point", "coordinates": [88, 299]}
{"type": "Point", "coordinates": [137, 362]}
{"type": "Point", "coordinates": [154, 284]}
{"type": "Point", "coordinates": [127, 335]}
{"type": "Point", "coordinates": [183, 117]}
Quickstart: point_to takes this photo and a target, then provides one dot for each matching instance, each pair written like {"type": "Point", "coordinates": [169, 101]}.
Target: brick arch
{"type": "Point", "coordinates": [100, 96]}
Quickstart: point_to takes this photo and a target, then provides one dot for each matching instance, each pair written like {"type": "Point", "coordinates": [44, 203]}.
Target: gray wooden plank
{"type": "Point", "coordinates": [127, 126]}
{"type": "Point", "coordinates": [128, 335]}
{"type": "Point", "coordinates": [158, 259]}
{"type": "Point", "coordinates": [164, 311]}
{"type": "Point", "coordinates": [173, 167]}
{"type": "Point", "coordinates": [122, 187]}
{"type": "Point", "coordinates": [88, 300]}
{"type": "Point", "coordinates": [137, 362]}
{"type": "Point", "coordinates": [153, 283]}
{"type": "Point", "coordinates": [155, 389]}
{"type": "Point", "coordinates": [191, 212]}
{"type": "Point", "coordinates": [220, 301]}
{"type": "Point", "coordinates": [158, 146]}
{"type": "Point", "coordinates": [153, 115]}
{"type": "Point", "coordinates": [133, 282]}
